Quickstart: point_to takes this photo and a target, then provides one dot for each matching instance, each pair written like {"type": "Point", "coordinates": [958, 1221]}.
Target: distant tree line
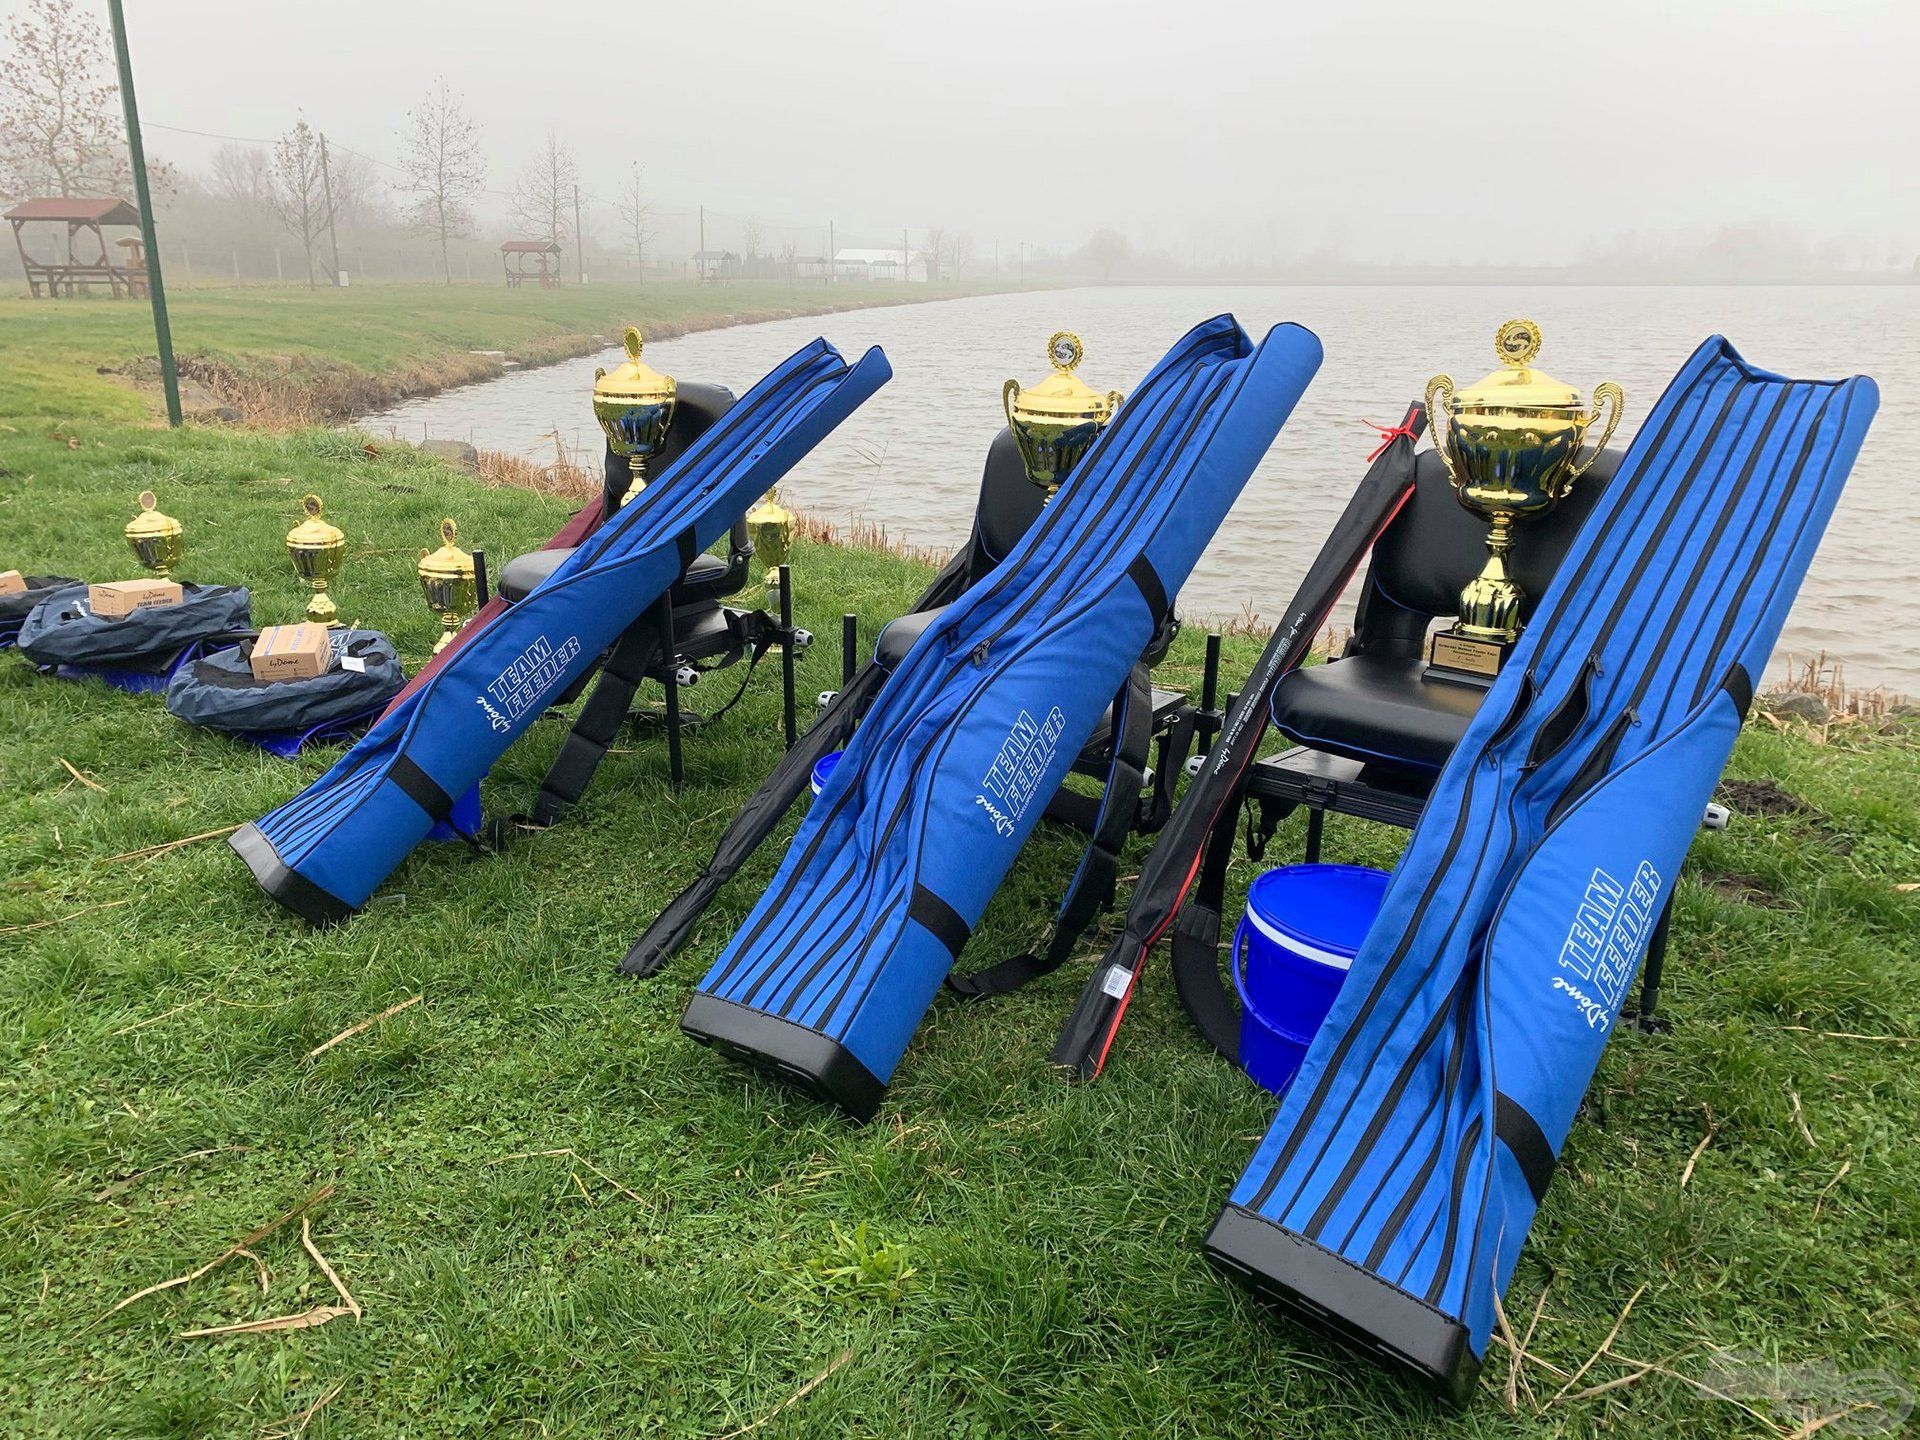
{"type": "Point", "coordinates": [302, 197]}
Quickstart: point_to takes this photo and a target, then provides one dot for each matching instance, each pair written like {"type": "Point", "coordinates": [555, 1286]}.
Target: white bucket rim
{"type": "Point", "coordinates": [1332, 959]}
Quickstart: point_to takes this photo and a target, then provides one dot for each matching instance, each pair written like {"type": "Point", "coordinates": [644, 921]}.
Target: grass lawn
{"type": "Point", "coordinates": [54, 351]}
{"type": "Point", "coordinates": [561, 1218]}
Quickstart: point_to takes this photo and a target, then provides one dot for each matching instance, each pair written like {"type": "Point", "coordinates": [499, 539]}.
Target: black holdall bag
{"type": "Point", "coordinates": [219, 691]}
{"type": "Point", "coordinates": [63, 630]}
{"type": "Point", "coordinates": [15, 608]}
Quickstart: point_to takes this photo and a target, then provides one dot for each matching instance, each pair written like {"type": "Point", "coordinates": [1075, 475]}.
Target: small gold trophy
{"type": "Point", "coordinates": [447, 581]}
{"type": "Point", "coordinates": [1055, 422]}
{"type": "Point", "coordinates": [1512, 449]}
{"type": "Point", "coordinates": [157, 539]}
{"type": "Point", "coordinates": [318, 550]}
{"type": "Point", "coordinates": [634, 404]}
{"type": "Point", "coordinates": [771, 525]}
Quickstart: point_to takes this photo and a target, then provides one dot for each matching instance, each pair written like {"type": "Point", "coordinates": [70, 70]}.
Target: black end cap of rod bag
{"type": "Point", "coordinates": [284, 884]}
{"type": "Point", "coordinates": [1329, 1293]}
{"type": "Point", "coordinates": [791, 1052]}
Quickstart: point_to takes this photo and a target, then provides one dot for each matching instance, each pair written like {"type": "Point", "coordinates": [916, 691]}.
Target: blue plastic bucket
{"type": "Point", "coordinates": [823, 767]}
{"type": "Point", "coordinates": [1302, 927]}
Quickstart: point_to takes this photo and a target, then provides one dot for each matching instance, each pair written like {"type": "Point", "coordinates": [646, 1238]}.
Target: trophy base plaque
{"type": "Point", "coordinates": [1463, 659]}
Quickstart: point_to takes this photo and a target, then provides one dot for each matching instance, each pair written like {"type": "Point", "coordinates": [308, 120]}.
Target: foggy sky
{"type": "Point", "coordinates": [1388, 131]}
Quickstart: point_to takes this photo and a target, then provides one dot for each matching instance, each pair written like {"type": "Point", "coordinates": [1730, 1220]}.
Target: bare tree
{"type": "Point", "coordinates": [299, 189]}
{"type": "Point", "coordinates": [1105, 250]}
{"type": "Point", "coordinates": [242, 177]}
{"type": "Point", "coordinates": [959, 254]}
{"type": "Point", "coordinates": [61, 131]}
{"type": "Point", "coordinates": [756, 235]}
{"type": "Point", "coordinates": [935, 249]}
{"type": "Point", "coordinates": [443, 167]}
{"type": "Point", "coordinates": [635, 211]}
{"type": "Point", "coordinates": [543, 194]}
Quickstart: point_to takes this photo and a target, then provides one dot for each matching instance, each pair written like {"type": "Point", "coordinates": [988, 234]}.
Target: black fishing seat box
{"type": "Point", "coordinates": [1009, 503]}
{"type": "Point", "coordinates": [704, 634]}
{"type": "Point", "coordinates": [1372, 728]}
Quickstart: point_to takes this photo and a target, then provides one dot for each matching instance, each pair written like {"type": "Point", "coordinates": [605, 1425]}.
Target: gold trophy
{"type": "Point", "coordinates": [446, 579]}
{"type": "Point", "coordinates": [318, 550]}
{"type": "Point", "coordinates": [771, 525]}
{"type": "Point", "coordinates": [1512, 448]}
{"type": "Point", "coordinates": [634, 404]}
{"type": "Point", "coordinates": [157, 539]}
{"type": "Point", "coordinates": [1055, 422]}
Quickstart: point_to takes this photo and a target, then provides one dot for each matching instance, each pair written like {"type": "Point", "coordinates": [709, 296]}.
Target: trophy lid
{"type": "Point", "coordinates": [313, 533]}
{"type": "Point", "coordinates": [1063, 395]}
{"type": "Point", "coordinates": [449, 562]}
{"type": "Point", "coordinates": [770, 511]}
{"type": "Point", "coordinates": [1517, 385]}
{"type": "Point", "coordinates": [150, 524]}
{"type": "Point", "coordinates": [633, 381]}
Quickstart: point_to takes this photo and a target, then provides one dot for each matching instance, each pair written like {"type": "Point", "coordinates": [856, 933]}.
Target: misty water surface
{"type": "Point", "coordinates": [910, 458]}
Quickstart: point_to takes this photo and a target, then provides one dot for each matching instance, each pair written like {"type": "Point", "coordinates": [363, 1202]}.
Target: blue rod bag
{"type": "Point", "coordinates": [949, 772]}
{"type": "Point", "coordinates": [324, 852]}
{"type": "Point", "coordinates": [1390, 1198]}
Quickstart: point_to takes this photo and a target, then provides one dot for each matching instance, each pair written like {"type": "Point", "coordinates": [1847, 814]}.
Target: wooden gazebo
{"type": "Point", "coordinates": [77, 272]}
{"type": "Point", "coordinates": [531, 262]}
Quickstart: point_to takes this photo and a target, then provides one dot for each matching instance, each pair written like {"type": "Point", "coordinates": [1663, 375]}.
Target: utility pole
{"type": "Point", "coordinates": [833, 257]}
{"type": "Point", "coordinates": [326, 182]}
{"type": "Point", "coordinates": [1023, 262]}
{"type": "Point", "coordinates": [579, 245]}
{"type": "Point", "coordinates": [703, 243]}
{"type": "Point", "coordinates": [137, 153]}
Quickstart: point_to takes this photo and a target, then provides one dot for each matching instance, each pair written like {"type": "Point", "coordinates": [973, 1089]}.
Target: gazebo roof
{"type": "Point", "coordinates": [77, 210]}
{"type": "Point", "coordinates": [529, 247]}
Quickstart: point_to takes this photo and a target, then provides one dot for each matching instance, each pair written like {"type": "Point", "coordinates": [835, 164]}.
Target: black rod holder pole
{"type": "Point", "coordinates": [480, 595]}
{"type": "Point", "coordinates": [789, 721]}
{"type": "Point", "coordinates": [849, 647]}
{"type": "Point", "coordinates": [1210, 721]}
{"type": "Point", "coordinates": [663, 607]}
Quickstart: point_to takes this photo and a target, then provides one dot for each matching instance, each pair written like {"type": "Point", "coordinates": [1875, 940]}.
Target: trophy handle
{"type": "Point", "coordinates": [1440, 402]}
{"type": "Point", "coordinates": [1009, 393]}
{"type": "Point", "coordinates": [1612, 397]}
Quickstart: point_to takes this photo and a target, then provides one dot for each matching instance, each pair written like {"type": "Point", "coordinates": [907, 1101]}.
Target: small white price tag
{"type": "Point", "coordinates": [353, 663]}
{"type": "Point", "coordinates": [1115, 982]}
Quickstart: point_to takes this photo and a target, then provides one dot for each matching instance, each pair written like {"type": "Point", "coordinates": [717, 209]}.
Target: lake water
{"type": "Point", "coordinates": [909, 459]}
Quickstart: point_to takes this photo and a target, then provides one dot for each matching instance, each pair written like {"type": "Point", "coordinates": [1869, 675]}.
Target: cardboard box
{"type": "Point", "coordinates": [291, 652]}
{"type": "Point", "coordinates": [118, 599]}
{"type": "Point", "coordinates": [12, 582]}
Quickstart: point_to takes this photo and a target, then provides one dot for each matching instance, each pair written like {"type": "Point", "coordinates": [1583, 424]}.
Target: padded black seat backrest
{"type": "Point", "coordinates": [1009, 504]}
{"type": "Point", "coordinates": [1435, 545]}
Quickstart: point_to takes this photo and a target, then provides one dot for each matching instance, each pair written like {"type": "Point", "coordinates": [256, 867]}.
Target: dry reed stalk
{"type": "Point", "coordinates": [1605, 1345]}
{"type": "Point", "coordinates": [1698, 1150]}
{"type": "Point", "coordinates": [795, 1398]}
{"type": "Point", "coordinates": [90, 784]}
{"type": "Point", "coordinates": [353, 1030]}
{"type": "Point", "coordinates": [62, 919]}
{"type": "Point", "coordinates": [225, 1255]}
{"type": "Point", "coordinates": [147, 852]}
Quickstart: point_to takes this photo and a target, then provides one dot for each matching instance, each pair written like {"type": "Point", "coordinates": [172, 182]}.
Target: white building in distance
{"type": "Point", "coordinates": [857, 264]}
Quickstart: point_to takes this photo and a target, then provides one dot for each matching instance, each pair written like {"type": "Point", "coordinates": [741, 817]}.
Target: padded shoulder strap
{"type": "Point", "coordinates": [639, 647]}
{"type": "Point", "coordinates": [1092, 887]}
